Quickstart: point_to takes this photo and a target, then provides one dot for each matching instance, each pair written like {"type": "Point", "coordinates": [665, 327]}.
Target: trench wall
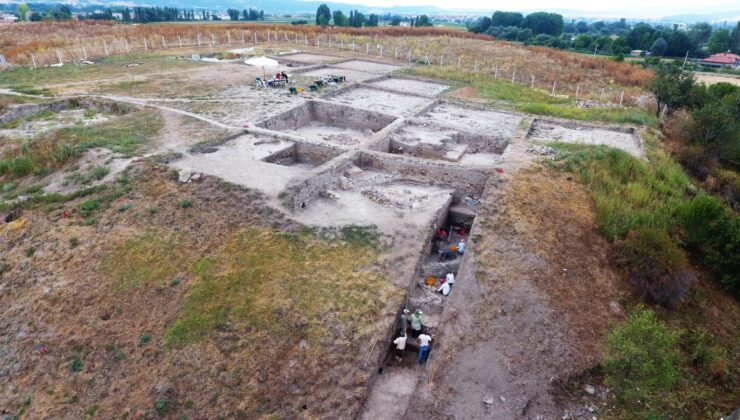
{"type": "Point", "coordinates": [327, 113]}
{"type": "Point", "coordinates": [465, 181]}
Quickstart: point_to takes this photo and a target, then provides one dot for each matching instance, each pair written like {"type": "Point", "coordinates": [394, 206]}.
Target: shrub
{"type": "Point", "coordinates": [186, 203]}
{"type": "Point", "coordinates": [710, 229]}
{"type": "Point", "coordinates": [641, 360]}
{"type": "Point", "coordinates": [73, 242]}
{"type": "Point", "coordinates": [161, 406]}
{"type": "Point", "coordinates": [99, 172]}
{"type": "Point", "coordinates": [144, 339]}
{"type": "Point", "coordinates": [75, 363]}
{"type": "Point", "coordinates": [656, 265]}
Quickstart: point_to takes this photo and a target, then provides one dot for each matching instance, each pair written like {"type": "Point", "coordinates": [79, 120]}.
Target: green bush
{"type": "Point", "coordinates": [75, 363]}
{"type": "Point", "coordinates": [713, 232]}
{"type": "Point", "coordinates": [642, 362]}
{"type": "Point", "coordinates": [656, 265]}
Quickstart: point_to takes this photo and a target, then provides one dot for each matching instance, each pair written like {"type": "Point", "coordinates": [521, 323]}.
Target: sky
{"type": "Point", "coordinates": [627, 8]}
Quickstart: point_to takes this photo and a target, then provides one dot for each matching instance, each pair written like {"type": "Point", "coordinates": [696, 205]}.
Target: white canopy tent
{"type": "Point", "coordinates": [262, 62]}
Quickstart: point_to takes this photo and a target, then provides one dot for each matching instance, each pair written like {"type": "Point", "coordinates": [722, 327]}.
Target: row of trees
{"type": "Point", "coordinates": [246, 14]}
{"type": "Point", "coordinates": [138, 14]}
{"type": "Point", "coordinates": [608, 37]}
{"type": "Point", "coordinates": [538, 23]}
{"type": "Point", "coordinates": [357, 19]}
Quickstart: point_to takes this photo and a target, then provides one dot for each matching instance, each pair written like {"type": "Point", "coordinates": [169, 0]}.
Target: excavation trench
{"type": "Point", "coordinates": [397, 374]}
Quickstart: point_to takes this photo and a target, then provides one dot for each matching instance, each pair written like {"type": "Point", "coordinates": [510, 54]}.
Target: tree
{"type": "Point", "coordinates": [340, 19]}
{"type": "Point", "coordinates": [735, 47]}
{"type": "Point", "coordinates": [422, 20]}
{"type": "Point", "coordinates": [672, 87]}
{"type": "Point", "coordinates": [620, 46]}
{"type": "Point", "coordinates": [582, 27]}
{"type": "Point", "coordinates": [720, 41]}
{"type": "Point", "coordinates": [700, 33]}
{"type": "Point", "coordinates": [506, 19]}
{"type": "Point", "coordinates": [481, 25]}
{"type": "Point", "coordinates": [659, 47]}
{"type": "Point", "coordinates": [395, 20]}
{"type": "Point", "coordinates": [582, 42]}
{"type": "Point", "coordinates": [372, 20]}
{"type": "Point", "coordinates": [641, 37]}
{"type": "Point", "coordinates": [544, 23]}
{"type": "Point", "coordinates": [323, 12]}
{"type": "Point", "coordinates": [22, 11]}
{"type": "Point", "coordinates": [233, 14]}
{"type": "Point", "coordinates": [678, 44]}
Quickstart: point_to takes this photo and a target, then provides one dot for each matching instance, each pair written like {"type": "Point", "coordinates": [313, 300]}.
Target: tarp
{"type": "Point", "coordinates": [261, 62]}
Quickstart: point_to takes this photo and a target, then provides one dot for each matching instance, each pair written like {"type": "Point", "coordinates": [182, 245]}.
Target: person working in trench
{"type": "Point", "coordinates": [446, 286]}
{"type": "Point", "coordinates": [423, 341]}
{"type": "Point", "coordinates": [400, 343]}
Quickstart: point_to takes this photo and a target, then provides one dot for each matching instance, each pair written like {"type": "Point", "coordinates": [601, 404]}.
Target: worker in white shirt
{"type": "Point", "coordinates": [423, 341]}
{"type": "Point", "coordinates": [444, 289]}
{"type": "Point", "coordinates": [450, 278]}
{"type": "Point", "coordinates": [461, 247]}
{"type": "Point", "coordinates": [400, 343]}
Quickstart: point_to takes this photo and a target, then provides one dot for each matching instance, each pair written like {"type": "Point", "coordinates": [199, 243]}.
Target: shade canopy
{"type": "Point", "coordinates": [261, 62]}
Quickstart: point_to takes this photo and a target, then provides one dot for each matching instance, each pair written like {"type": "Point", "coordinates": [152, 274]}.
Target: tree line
{"type": "Point", "coordinates": [135, 14]}
{"type": "Point", "coordinates": [357, 19]}
{"type": "Point", "coordinates": [615, 38]}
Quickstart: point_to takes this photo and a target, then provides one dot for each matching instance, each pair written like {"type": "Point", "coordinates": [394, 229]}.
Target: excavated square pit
{"type": "Point", "coordinates": [421, 138]}
{"type": "Point", "coordinates": [303, 155]}
{"type": "Point", "coordinates": [241, 161]}
{"type": "Point", "coordinates": [382, 101]}
{"type": "Point", "coordinates": [408, 85]}
{"type": "Point", "coordinates": [496, 124]}
{"type": "Point", "coordinates": [308, 58]}
{"type": "Point", "coordinates": [620, 138]}
{"type": "Point", "coordinates": [331, 123]}
{"type": "Point", "coordinates": [367, 66]}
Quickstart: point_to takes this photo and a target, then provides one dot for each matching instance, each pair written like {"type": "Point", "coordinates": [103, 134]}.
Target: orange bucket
{"type": "Point", "coordinates": [430, 281]}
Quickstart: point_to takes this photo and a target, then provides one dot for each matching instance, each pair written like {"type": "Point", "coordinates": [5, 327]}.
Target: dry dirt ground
{"type": "Point", "coordinates": [710, 79]}
{"type": "Point", "coordinates": [61, 300]}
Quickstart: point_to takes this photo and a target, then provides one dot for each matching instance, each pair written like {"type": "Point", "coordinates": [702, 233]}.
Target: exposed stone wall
{"type": "Point", "coordinates": [97, 105]}
{"type": "Point", "coordinates": [465, 181]}
{"type": "Point", "coordinates": [299, 194]}
{"type": "Point", "coordinates": [327, 113]}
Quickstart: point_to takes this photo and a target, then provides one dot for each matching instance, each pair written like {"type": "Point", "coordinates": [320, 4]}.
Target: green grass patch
{"type": "Point", "coordinates": [534, 101]}
{"type": "Point", "coordinates": [627, 192]}
{"type": "Point", "coordinates": [147, 260]}
{"type": "Point", "coordinates": [642, 365]}
{"type": "Point", "coordinates": [271, 284]}
{"type": "Point", "coordinates": [125, 135]}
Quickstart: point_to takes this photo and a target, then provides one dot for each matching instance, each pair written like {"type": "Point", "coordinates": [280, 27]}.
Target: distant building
{"type": "Point", "coordinates": [722, 60]}
{"type": "Point", "coordinates": [8, 18]}
{"type": "Point", "coordinates": [638, 53]}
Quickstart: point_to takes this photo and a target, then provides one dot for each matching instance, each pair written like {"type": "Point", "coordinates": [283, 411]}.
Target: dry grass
{"type": "Point", "coordinates": [18, 42]}
{"type": "Point", "coordinates": [569, 70]}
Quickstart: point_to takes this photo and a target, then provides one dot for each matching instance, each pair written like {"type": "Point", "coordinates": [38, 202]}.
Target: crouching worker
{"type": "Point", "coordinates": [400, 343]}
{"type": "Point", "coordinates": [423, 341]}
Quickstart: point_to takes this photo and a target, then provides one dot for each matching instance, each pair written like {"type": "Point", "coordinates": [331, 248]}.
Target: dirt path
{"type": "Point", "coordinates": [145, 102]}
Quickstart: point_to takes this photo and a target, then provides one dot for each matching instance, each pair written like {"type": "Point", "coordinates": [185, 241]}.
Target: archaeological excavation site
{"type": "Point", "coordinates": [190, 238]}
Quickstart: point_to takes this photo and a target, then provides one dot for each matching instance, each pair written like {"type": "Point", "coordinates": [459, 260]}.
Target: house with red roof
{"type": "Point", "coordinates": [722, 60]}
